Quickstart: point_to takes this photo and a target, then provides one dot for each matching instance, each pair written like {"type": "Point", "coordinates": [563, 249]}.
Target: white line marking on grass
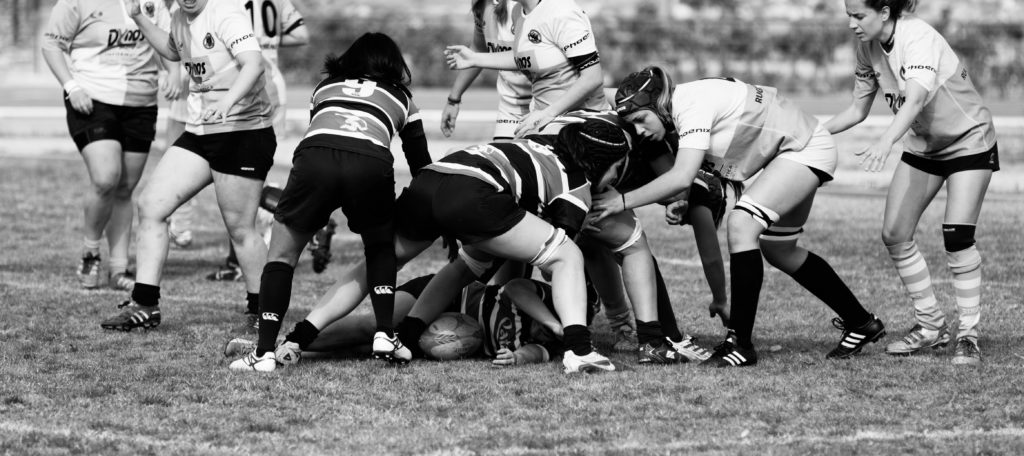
{"type": "Point", "coordinates": [106, 437]}
{"type": "Point", "coordinates": [681, 262]}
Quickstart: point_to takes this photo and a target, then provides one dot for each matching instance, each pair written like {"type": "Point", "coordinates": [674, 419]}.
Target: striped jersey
{"type": "Point", "coordinates": [740, 127]}
{"type": "Point", "coordinates": [363, 116]}
{"type": "Point", "coordinates": [110, 58]}
{"type": "Point", "coordinates": [531, 172]}
{"type": "Point", "coordinates": [953, 122]}
{"type": "Point", "coordinates": [207, 46]}
{"type": "Point", "coordinates": [552, 44]}
{"type": "Point", "coordinates": [513, 86]}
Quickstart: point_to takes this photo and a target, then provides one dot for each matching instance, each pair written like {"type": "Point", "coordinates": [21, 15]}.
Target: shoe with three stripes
{"type": "Point", "coordinates": [729, 354]}
{"type": "Point", "coordinates": [133, 316]}
{"type": "Point", "coordinates": [854, 339]}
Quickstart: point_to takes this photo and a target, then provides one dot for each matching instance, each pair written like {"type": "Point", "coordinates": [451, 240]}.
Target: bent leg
{"type": "Point", "coordinates": [965, 194]}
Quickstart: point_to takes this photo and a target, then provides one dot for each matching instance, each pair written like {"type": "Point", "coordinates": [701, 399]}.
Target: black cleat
{"type": "Point", "coordinates": [729, 354]}
{"type": "Point", "coordinates": [133, 316]}
{"type": "Point", "coordinates": [855, 339]}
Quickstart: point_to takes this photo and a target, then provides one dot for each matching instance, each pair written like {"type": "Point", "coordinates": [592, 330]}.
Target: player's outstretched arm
{"type": "Point", "coordinates": [159, 39]}
{"type": "Point", "coordinates": [854, 114]}
{"type": "Point", "coordinates": [706, 236]}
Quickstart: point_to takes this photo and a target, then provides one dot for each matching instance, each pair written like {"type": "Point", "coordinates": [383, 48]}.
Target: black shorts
{"type": "Point", "coordinates": [945, 168]}
{"type": "Point", "coordinates": [323, 179]}
{"type": "Point", "coordinates": [132, 126]}
{"type": "Point", "coordinates": [451, 204]}
{"type": "Point", "coordinates": [248, 153]}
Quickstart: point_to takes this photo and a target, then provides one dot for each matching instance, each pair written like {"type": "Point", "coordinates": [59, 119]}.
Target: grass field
{"type": "Point", "coordinates": [68, 387]}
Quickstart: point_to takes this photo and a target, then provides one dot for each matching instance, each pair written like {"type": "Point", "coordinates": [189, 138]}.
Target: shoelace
{"type": "Point", "coordinates": [124, 304]}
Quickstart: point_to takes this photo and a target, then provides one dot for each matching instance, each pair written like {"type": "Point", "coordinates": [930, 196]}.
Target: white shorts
{"type": "Point", "coordinates": [820, 153]}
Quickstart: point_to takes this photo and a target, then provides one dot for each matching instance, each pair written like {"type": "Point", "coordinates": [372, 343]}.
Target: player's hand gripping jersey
{"type": "Point", "coordinates": [953, 122]}
{"type": "Point", "coordinates": [207, 46]}
{"type": "Point", "coordinates": [513, 87]}
{"type": "Point", "coordinates": [553, 44]}
{"type": "Point", "coordinates": [530, 171]}
{"type": "Point", "coordinates": [740, 126]}
{"type": "Point", "coordinates": [363, 116]}
{"type": "Point", "coordinates": [110, 59]}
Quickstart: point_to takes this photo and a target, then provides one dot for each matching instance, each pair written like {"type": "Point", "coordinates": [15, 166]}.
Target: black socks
{"type": "Point", "coordinates": [275, 296]}
{"type": "Point", "coordinates": [146, 295]}
{"type": "Point", "coordinates": [746, 270]}
{"type": "Point", "coordinates": [822, 281]}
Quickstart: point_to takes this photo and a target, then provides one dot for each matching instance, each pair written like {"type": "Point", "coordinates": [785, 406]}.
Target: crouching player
{"type": "Point", "coordinates": [517, 318]}
{"type": "Point", "coordinates": [743, 129]}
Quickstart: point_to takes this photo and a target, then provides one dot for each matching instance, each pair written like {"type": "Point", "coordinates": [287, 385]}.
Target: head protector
{"type": "Point", "coordinates": [593, 145]}
{"type": "Point", "coordinates": [642, 90]}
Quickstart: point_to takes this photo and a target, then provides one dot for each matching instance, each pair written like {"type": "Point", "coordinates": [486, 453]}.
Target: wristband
{"type": "Point", "coordinates": [71, 86]}
{"type": "Point", "coordinates": [455, 101]}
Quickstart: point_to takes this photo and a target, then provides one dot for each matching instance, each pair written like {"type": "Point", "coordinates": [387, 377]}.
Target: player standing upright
{"type": "Point", "coordinates": [948, 137]}
{"type": "Point", "coordinates": [110, 92]}
{"type": "Point", "coordinates": [493, 32]}
{"type": "Point", "coordinates": [743, 129]}
{"type": "Point", "coordinates": [229, 141]}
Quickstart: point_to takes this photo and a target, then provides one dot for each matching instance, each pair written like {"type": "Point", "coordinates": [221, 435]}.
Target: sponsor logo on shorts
{"type": "Point", "coordinates": [533, 36]}
{"type": "Point", "coordinates": [208, 41]}
{"type": "Point", "coordinates": [383, 290]}
{"type": "Point", "coordinates": [270, 316]}
{"type": "Point", "coordinates": [248, 168]}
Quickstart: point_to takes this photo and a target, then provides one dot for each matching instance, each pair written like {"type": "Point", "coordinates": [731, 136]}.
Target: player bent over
{"type": "Point", "coordinates": [491, 197]}
{"type": "Point", "coordinates": [742, 129]}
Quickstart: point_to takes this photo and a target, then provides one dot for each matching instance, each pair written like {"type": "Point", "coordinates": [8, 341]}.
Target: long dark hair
{"type": "Point", "coordinates": [372, 56]}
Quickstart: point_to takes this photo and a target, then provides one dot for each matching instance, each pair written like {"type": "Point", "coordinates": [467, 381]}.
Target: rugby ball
{"type": "Point", "coordinates": [452, 336]}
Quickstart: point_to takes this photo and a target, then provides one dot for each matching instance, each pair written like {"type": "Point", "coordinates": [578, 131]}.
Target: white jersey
{"type": "Point", "coordinates": [271, 20]}
{"type": "Point", "coordinates": [954, 122]}
{"type": "Point", "coordinates": [207, 46]}
{"type": "Point", "coordinates": [546, 42]}
{"type": "Point", "coordinates": [514, 89]}
{"type": "Point", "coordinates": [110, 59]}
{"type": "Point", "coordinates": [740, 127]}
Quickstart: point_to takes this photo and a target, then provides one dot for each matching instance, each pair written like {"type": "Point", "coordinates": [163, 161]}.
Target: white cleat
{"type": "Point", "coordinates": [589, 363]}
{"type": "Point", "coordinates": [390, 349]}
{"type": "Point", "coordinates": [690, 350]}
{"type": "Point", "coordinates": [288, 353]}
{"type": "Point", "coordinates": [251, 362]}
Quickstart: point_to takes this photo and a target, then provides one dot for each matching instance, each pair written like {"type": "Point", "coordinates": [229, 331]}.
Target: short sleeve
{"type": "Point", "coordinates": [922, 54]}
{"type": "Point", "coordinates": [62, 26]}
{"type": "Point", "coordinates": [235, 30]}
{"type": "Point", "coordinates": [573, 34]}
{"type": "Point", "coordinates": [865, 83]}
{"type": "Point", "coordinates": [693, 121]}
{"type": "Point", "coordinates": [291, 18]}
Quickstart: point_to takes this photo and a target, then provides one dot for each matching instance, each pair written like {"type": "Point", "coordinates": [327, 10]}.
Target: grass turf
{"type": "Point", "coordinates": [68, 387]}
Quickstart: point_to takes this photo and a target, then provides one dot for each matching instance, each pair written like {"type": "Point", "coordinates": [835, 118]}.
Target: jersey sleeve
{"type": "Point", "coordinates": [62, 26]}
{"type": "Point", "coordinates": [569, 210]}
{"type": "Point", "coordinates": [291, 18]}
{"type": "Point", "coordinates": [865, 83]}
{"type": "Point", "coordinates": [922, 54]}
{"type": "Point", "coordinates": [693, 121]}
{"type": "Point", "coordinates": [235, 30]}
{"type": "Point", "coordinates": [573, 34]}
{"type": "Point", "coordinates": [414, 140]}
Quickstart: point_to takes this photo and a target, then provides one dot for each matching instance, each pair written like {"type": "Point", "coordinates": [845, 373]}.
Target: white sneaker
{"type": "Point", "coordinates": [390, 348]}
{"type": "Point", "coordinates": [288, 353]}
{"type": "Point", "coordinates": [690, 350]}
{"type": "Point", "coordinates": [251, 362]}
{"type": "Point", "coordinates": [239, 347]}
{"type": "Point", "coordinates": [589, 363]}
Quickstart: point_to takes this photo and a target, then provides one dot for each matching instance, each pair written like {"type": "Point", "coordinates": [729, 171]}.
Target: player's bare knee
{"type": "Point", "coordinates": [517, 288]}
{"type": "Point", "coordinates": [556, 251]}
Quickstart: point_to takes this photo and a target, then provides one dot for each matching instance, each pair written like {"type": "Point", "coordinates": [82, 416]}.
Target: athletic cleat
{"type": "Point", "coordinates": [662, 354]}
{"type": "Point", "coordinates": [728, 354]}
{"type": "Point", "coordinates": [625, 339]}
{"type": "Point", "coordinates": [917, 339]}
{"type": "Point", "coordinates": [390, 349]}
{"type": "Point", "coordinates": [89, 271]}
{"type": "Point", "coordinates": [133, 316]}
{"type": "Point", "coordinates": [180, 238]}
{"type": "Point", "coordinates": [122, 281]}
{"type": "Point", "coordinates": [288, 353]}
{"type": "Point", "coordinates": [239, 347]}
{"type": "Point", "coordinates": [229, 272]}
{"type": "Point", "coordinates": [590, 363]}
{"type": "Point", "coordinates": [966, 352]}
{"type": "Point", "coordinates": [251, 362]}
{"type": "Point", "coordinates": [854, 340]}
{"type": "Point", "coordinates": [690, 350]}
{"type": "Point", "coordinates": [320, 246]}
